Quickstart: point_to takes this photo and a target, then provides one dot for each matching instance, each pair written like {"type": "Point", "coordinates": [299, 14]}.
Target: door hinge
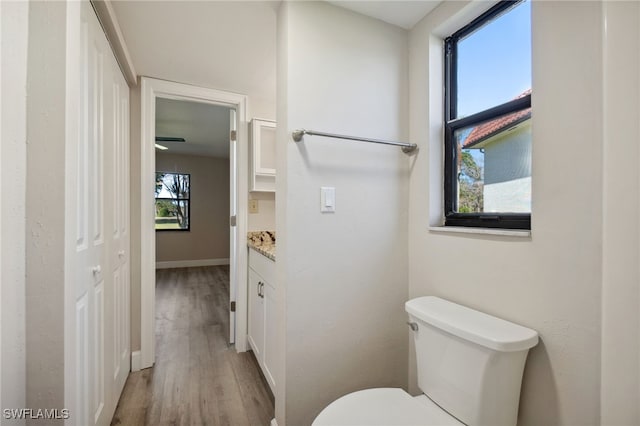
{"type": "Point", "coordinates": [233, 135]}
{"type": "Point", "coordinates": [232, 220]}
{"type": "Point", "coordinates": [233, 306]}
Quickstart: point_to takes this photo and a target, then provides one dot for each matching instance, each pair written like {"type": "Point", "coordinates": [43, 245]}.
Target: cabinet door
{"type": "Point", "coordinates": [264, 147]}
{"type": "Point", "coordinates": [270, 337]}
{"type": "Point", "coordinates": [263, 155]}
{"type": "Point", "coordinates": [256, 315]}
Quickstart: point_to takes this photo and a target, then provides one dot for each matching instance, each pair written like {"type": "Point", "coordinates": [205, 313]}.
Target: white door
{"type": "Point", "coordinates": [233, 211]}
{"type": "Point", "coordinates": [119, 253]}
{"type": "Point", "coordinates": [102, 234]}
{"type": "Point", "coordinates": [90, 241]}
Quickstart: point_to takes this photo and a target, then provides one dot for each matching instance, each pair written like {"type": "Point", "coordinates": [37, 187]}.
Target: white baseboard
{"type": "Point", "coordinates": [191, 263]}
{"type": "Point", "coordinates": [274, 422]}
{"type": "Point", "coordinates": [135, 361]}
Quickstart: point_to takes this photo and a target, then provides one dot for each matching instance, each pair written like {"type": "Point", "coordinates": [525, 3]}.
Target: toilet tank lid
{"type": "Point", "coordinates": [469, 324]}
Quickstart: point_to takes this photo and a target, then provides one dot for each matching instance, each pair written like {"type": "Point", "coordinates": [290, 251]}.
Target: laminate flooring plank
{"type": "Point", "coordinates": [256, 397]}
{"type": "Point", "coordinates": [198, 378]}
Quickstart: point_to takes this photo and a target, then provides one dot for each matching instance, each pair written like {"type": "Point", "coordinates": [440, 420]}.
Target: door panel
{"type": "Point", "coordinates": [82, 361]}
{"type": "Point", "coordinates": [98, 345]}
{"type": "Point", "coordinates": [270, 349]}
{"type": "Point", "coordinates": [117, 295]}
{"type": "Point", "coordinates": [102, 243]}
{"type": "Point", "coordinates": [255, 327]}
{"type": "Point", "coordinates": [91, 251]}
{"type": "Point", "coordinates": [120, 215]}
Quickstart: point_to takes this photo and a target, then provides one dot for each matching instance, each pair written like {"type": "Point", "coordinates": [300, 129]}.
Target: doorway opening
{"type": "Point", "coordinates": [158, 97]}
{"type": "Point", "coordinates": [192, 207]}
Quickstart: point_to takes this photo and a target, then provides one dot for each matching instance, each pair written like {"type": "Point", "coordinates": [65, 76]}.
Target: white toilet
{"type": "Point", "coordinates": [469, 367]}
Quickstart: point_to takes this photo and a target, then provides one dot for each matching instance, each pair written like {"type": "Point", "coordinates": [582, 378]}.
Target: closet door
{"type": "Point", "coordinates": [102, 255]}
{"type": "Point", "coordinates": [119, 212]}
{"type": "Point", "coordinates": [93, 276]}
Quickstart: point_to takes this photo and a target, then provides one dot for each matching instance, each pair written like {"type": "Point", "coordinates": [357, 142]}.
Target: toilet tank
{"type": "Point", "coordinates": [468, 362]}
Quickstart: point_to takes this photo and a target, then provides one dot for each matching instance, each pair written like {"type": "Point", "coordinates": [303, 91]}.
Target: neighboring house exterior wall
{"type": "Point", "coordinates": [513, 196]}
{"type": "Point", "coordinates": [507, 171]}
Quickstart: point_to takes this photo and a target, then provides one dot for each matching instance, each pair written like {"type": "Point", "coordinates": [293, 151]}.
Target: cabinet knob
{"type": "Point", "coordinates": [413, 326]}
{"type": "Point", "coordinates": [96, 270]}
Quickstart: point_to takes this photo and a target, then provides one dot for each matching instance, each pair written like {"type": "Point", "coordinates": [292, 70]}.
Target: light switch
{"type": "Point", "coordinates": [253, 206]}
{"type": "Point", "coordinates": [327, 199]}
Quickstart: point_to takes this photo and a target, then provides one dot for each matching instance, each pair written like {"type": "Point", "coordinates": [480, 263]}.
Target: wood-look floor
{"type": "Point", "coordinates": [198, 379]}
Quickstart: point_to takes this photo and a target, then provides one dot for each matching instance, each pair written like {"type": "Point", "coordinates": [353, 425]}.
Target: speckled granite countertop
{"type": "Point", "coordinates": [264, 242]}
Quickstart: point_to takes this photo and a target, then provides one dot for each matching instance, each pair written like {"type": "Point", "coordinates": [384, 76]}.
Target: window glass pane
{"type": "Point", "coordinates": [172, 185]}
{"type": "Point", "coordinates": [494, 165]}
{"type": "Point", "coordinates": [172, 214]}
{"type": "Point", "coordinates": [494, 62]}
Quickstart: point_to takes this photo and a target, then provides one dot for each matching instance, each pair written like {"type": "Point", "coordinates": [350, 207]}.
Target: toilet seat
{"type": "Point", "coordinates": [384, 407]}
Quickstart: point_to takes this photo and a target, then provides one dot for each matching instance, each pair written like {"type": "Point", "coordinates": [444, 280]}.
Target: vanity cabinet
{"type": "Point", "coordinates": [263, 155]}
{"type": "Point", "coordinates": [262, 327]}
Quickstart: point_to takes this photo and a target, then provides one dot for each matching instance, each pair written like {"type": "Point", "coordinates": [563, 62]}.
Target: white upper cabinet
{"type": "Point", "coordinates": [263, 155]}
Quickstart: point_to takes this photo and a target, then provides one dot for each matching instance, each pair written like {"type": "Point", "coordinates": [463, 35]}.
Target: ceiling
{"type": "Point", "coordinates": [205, 127]}
{"type": "Point", "coordinates": [404, 14]}
{"type": "Point", "coordinates": [227, 45]}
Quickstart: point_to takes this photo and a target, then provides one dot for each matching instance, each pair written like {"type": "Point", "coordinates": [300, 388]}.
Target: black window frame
{"type": "Point", "coordinates": [188, 200]}
{"type": "Point", "coordinates": [451, 124]}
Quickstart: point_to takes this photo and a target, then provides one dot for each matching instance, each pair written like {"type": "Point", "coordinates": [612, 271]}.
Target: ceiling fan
{"type": "Point", "coordinates": [167, 139]}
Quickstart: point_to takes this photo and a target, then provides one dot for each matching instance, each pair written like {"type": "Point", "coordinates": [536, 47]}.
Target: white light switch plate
{"type": "Point", "coordinates": [327, 199]}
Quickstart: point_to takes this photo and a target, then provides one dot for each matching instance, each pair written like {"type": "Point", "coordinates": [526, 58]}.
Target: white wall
{"type": "Point", "coordinates": [45, 205]}
{"type": "Point", "coordinates": [620, 389]}
{"type": "Point", "coordinates": [342, 277]}
{"type": "Point", "coordinates": [14, 37]}
{"type": "Point", "coordinates": [134, 202]}
{"type": "Point", "coordinates": [265, 219]}
{"type": "Point", "coordinates": [552, 281]}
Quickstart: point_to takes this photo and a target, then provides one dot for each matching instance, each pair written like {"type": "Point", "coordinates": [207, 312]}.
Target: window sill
{"type": "Point", "coordinates": [482, 231]}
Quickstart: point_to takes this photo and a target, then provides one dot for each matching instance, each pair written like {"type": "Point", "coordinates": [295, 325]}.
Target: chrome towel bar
{"type": "Point", "coordinates": [407, 148]}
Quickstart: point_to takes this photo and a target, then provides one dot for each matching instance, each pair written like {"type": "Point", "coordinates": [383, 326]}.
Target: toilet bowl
{"type": "Point", "coordinates": [469, 367]}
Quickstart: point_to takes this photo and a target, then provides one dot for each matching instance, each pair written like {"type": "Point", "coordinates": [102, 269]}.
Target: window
{"type": "Point", "coordinates": [172, 201]}
{"type": "Point", "coordinates": [488, 120]}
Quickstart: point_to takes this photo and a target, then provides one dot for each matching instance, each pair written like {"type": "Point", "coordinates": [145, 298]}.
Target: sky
{"type": "Point", "coordinates": [164, 192]}
{"type": "Point", "coordinates": [494, 63]}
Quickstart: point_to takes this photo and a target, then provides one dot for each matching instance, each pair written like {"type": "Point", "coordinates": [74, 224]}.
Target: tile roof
{"type": "Point", "coordinates": [486, 130]}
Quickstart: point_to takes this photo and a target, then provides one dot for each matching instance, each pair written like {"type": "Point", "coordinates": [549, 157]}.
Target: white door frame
{"type": "Point", "coordinates": [1, 212]}
{"type": "Point", "coordinates": [152, 89]}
